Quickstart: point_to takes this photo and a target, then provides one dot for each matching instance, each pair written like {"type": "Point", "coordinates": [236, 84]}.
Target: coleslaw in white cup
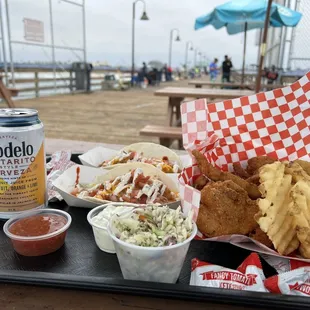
{"type": "Point", "coordinates": [161, 262]}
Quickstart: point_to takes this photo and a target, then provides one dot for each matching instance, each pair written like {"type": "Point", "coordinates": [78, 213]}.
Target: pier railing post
{"type": "Point", "coordinates": [71, 84]}
{"type": "Point", "coordinates": [36, 83]}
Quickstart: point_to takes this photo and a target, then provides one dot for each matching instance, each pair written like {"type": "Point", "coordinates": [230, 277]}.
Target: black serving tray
{"type": "Point", "coordinates": [80, 264]}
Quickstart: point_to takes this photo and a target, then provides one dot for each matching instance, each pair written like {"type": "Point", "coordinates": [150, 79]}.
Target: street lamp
{"type": "Point", "coordinates": [177, 39]}
{"type": "Point", "coordinates": [189, 46]}
{"type": "Point", "coordinates": [143, 17]}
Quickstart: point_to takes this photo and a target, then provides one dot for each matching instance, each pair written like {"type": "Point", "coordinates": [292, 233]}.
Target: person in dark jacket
{"type": "Point", "coordinates": [226, 66]}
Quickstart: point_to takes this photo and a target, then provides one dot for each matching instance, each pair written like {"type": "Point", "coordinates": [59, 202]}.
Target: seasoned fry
{"type": "Point", "coordinates": [304, 165]}
{"type": "Point", "coordinates": [300, 195]}
{"type": "Point", "coordinates": [226, 209]}
{"type": "Point", "coordinates": [216, 175]}
{"type": "Point", "coordinates": [255, 163]}
{"type": "Point", "coordinates": [239, 171]}
{"type": "Point", "coordinates": [276, 216]}
{"type": "Point", "coordinates": [297, 172]}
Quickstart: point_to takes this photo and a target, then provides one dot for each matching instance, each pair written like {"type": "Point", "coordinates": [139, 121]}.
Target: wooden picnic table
{"type": "Point", "coordinates": [20, 297]}
{"type": "Point", "coordinates": [200, 84]}
{"type": "Point", "coordinates": [177, 94]}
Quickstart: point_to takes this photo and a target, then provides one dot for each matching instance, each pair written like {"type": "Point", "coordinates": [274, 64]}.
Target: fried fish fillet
{"type": "Point", "coordinates": [200, 182]}
{"type": "Point", "coordinates": [239, 171]}
{"type": "Point", "coordinates": [254, 179]}
{"type": "Point", "coordinates": [217, 175]}
{"type": "Point", "coordinates": [226, 209]}
{"type": "Point", "coordinates": [255, 163]}
{"type": "Point", "coordinates": [261, 237]}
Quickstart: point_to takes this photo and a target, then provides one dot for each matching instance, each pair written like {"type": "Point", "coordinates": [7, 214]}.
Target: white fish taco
{"type": "Point", "coordinates": [138, 183]}
{"type": "Point", "coordinates": [154, 154]}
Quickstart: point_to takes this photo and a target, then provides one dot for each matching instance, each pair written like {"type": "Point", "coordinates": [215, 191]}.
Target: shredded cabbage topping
{"type": "Point", "coordinates": [154, 226]}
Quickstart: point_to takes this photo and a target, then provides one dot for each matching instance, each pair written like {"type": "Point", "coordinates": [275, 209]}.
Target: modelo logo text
{"type": "Point", "coordinates": [16, 151]}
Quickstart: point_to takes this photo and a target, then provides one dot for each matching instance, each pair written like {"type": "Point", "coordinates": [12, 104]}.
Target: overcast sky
{"type": "Point", "coordinates": [108, 31]}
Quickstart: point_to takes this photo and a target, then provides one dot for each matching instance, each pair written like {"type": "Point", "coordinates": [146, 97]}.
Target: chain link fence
{"type": "Point", "coordinates": [289, 48]}
{"type": "Point", "coordinates": [299, 54]}
{"type": "Point", "coordinates": [40, 40]}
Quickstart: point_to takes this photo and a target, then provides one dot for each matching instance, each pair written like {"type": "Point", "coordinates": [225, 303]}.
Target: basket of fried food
{"type": "Point", "coordinates": [267, 201]}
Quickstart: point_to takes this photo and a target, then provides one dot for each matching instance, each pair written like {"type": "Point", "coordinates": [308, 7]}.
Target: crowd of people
{"type": "Point", "coordinates": [153, 75]}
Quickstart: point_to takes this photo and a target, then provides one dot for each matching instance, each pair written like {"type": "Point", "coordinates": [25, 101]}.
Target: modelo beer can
{"type": "Point", "coordinates": [22, 162]}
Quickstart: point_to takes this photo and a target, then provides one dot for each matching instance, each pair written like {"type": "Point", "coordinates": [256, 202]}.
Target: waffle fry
{"type": "Point", "coordinates": [304, 165]}
{"type": "Point", "coordinates": [285, 207]}
{"type": "Point", "coordinates": [276, 218]}
{"type": "Point", "coordinates": [300, 194]}
{"type": "Point", "coordinates": [297, 172]}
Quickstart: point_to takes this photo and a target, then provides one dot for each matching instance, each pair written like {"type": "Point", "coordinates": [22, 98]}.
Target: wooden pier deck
{"type": "Point", "coordinates": [104, 116]}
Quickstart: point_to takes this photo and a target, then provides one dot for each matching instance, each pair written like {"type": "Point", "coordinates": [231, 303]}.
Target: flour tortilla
{"type": "Point", "coordinates": [150, 150]}
{"type": "Point", "coordinates": [148, 170]}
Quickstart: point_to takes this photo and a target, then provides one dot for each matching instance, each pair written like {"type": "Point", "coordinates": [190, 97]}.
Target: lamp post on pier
{"type": "Point", "coordinates": [143, 17]}
{"type": "Point", "coordinates": [177, 39]}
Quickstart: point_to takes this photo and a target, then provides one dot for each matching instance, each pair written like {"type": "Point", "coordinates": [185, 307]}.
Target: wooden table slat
{"type": "Point", "coordinates": [183, 92]}
{"type": "Point", "coordinates": [218, 84]}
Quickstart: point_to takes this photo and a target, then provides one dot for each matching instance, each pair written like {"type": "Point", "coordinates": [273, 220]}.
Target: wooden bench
{"type": "Point", "coordinates": [165, 134]}
{"type": "Point", "coordinates": [199, 84]}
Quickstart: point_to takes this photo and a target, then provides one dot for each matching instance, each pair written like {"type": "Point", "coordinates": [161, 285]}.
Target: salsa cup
{"type": "Point", "coordinates": [155, 264]}
{"type": "Point", "coordinates": [42, 244]}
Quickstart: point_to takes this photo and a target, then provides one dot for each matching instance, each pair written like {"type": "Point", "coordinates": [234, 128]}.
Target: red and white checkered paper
{"type": "Point", "coordinates": [274, 123]}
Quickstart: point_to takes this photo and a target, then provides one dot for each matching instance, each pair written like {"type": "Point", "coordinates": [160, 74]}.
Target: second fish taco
{"type": "Point", "coordinates": [136, 183]}
{"type": "Point", "coordinates": [150, 153]}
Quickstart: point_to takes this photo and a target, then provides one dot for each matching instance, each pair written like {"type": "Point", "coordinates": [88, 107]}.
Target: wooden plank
{"type": "Point", "coordinates": [33, 80]}
{"type": "Point", "coordinates": [21, 297]}
{"type": "Point", "coordinates": [202, 93]}
{"type": "Point", "coordinates": [245, 86]}
{"type": "Point", "coordinates": [13, 91]}
{"type": "Point", "coordinates": [162, 131]}
{"type": "Point", "coordinates": [30, 89]}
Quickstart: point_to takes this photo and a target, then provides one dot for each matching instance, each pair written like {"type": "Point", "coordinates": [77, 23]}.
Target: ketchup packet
{"type": "Point", "coordinates": [294, 282]}
{"type": "Point", "coordinates": [60, 162]}
{"type": "Point", "coordinates": [280, 264]}
{"type": "Point", "coordinates": [249, 276]}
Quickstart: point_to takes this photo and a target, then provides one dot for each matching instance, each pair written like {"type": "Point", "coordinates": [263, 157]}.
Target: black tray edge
{"type": "Point", "coordinates": [140, 288]}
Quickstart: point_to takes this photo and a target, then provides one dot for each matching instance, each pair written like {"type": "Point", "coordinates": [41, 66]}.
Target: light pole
{"type": "Point", "coordinates": [204, 60]}
{"type": "Point", "coordinates": [195, 59]}
{"type": "Point", "coordinates": [143, 17]}
{"type": "Point", "coordinates": [189, 46]}
{"type": "Point", "coordinates": [170, 42]}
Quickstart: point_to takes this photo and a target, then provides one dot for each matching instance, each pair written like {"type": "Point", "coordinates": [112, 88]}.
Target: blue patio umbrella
{"type": "Point", "coordinates": [242, 15]}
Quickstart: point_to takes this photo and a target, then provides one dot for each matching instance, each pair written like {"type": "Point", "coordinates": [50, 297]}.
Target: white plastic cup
{"type": "Point", "coordinates": [156, 264]}
{"type": "Point", "coordinates": [101, 235]}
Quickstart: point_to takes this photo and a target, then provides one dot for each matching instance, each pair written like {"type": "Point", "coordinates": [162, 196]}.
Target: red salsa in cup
{"type": "Point", "coordinates": [43, 225]}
